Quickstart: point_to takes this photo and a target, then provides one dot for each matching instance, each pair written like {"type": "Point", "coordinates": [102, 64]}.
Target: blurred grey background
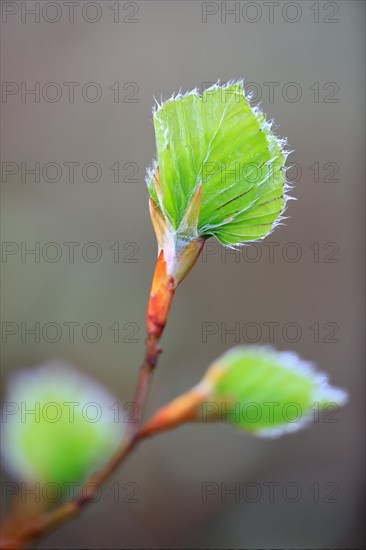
{"type": "Point", "coordinates": [304, 61]}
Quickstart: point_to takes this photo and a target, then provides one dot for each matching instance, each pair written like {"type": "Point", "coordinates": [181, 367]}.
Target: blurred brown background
{"type": "Point", "coordinates": [151, 48]}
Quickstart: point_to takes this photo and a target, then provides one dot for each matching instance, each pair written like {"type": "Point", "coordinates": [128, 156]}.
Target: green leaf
{"type": "Point", "coordinates": [257, 390]}
{"type": "Point", "coordinates": [57, 426]}
{"type": "Point", "coordinates": [220, 141]}
{"type": "Point", "coordinates": [266, 392]}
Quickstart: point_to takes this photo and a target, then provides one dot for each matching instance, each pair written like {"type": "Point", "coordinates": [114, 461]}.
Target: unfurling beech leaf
{"type": "Point", "coordinates": [219, 172]}
{"type": "Point", "coordinates": [255, 389]}
{"type": "Point", "coordinates": [219, 169]}
{"type": "Point", "coordinates": [273, 392]}
{"type": "Point", "coordinates": [57, 426]}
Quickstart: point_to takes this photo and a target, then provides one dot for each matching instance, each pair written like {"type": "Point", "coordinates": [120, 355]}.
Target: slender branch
{"type": "Point", "coordinates": [161, 295]}
{"type": "Point", "coordinates": [15, 537]}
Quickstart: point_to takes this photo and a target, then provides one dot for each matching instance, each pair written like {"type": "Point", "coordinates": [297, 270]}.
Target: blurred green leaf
{"type": "Point", "coordinates": [57, 425]}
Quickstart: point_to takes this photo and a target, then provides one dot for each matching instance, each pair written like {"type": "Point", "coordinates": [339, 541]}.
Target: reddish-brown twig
{"type": "Point", "coordinates": [17, 534]}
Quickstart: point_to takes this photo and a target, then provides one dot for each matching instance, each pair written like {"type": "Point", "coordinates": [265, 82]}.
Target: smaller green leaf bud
{"type": "Point", "coordinates": [267, 392]}
{"type": "Point", "coordinates": [256, 389]}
